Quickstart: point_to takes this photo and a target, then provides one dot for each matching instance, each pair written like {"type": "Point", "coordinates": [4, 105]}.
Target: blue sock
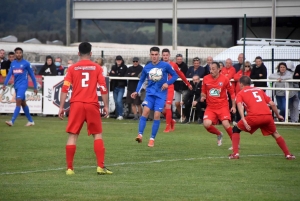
{"type": "Point", "coordinates": [142, 124]}
{"type": "Point", "coordinates": [27, 113]}
{"type": "Point", "coordinates": [16, 113]}
{"type": "Point", "coordinates": [155, 128]}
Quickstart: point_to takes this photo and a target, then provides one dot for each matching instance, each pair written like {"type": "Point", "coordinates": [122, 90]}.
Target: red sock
{"type": "Point", "coordinates": [213, 130]}
{"type": "Point", "coordinates": [99, 150]}
{"type": "Point", "coordinates": [235, 142]}
{"type": "Point", "coordinates": [229, 132]}
{"type": "Point", "coordinates": [281, 143]}
{"type": "Point", "coordinates": [70, 152]}
{"type": "Point", "coordinates": [168, 116]}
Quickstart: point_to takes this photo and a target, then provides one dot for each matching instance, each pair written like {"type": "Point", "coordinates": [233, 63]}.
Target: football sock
{"type": "Point", "coordinates": [16, 113]}
{"type": "Point", "coordinates": [168, 117]}
{"type": "Point", "coordinates": [281, 143]}
{"type": "Point", "coordinates": [213, 130]}
{"type": "Point", "coordinates": [27, 113]}
{"type": "Point", "coordinates": [142, 124]}
{"type": "Point", "coordinates": [235, 142]}
{"type": "Point", "coordinates": [229, 132]}
{"type": "Point", "coordinates": [70, 152]}
{"type": "Point", "coordinates": [155, 128]}
{"type": "Point", "coordinates": [99, 150]}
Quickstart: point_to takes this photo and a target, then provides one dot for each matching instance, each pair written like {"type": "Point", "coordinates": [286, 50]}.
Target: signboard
{"type": "Point", "coordinates": [8, 97]}
{"type": "Point", "coordinates": [52, 90]}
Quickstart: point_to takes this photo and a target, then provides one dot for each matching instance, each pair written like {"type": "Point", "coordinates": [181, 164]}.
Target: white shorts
{"type": "Point", "coordinates": [178, 95]}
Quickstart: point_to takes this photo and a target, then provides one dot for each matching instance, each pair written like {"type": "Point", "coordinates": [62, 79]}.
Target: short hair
{"type": "Point", "coordinates": [258, 57]}
{"type": "Point", "coordinates": [165, 50]}
{"type": "Point", "coordinates": [217, 63]}
{"type": "Point", "coordinates": [18, 48]}
{"type": "Point", "coordinates": [196, 59]}
{"type": "Point", "coordinates": [179, 55]}
{"type": "Point", "coordinates": [196, 76]}
{"type": "Point", "coordinates": [154, 49]}
{"type": "Point", "coordinates": [10, 53]}
{"type": "Point", "coordinates": [84, 48]}
{"type": "Point", "coordinates": [245, 80]}
{"type": "Point", "coordinates": [58, 58]}
{"type": "Point", "coordinates": [2, 50]}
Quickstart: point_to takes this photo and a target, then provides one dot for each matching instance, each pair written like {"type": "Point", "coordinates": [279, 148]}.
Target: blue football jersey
{"type": "Point", "coordinates": [154, 88]}
{"type": "Point", "coordinates": [20, 70]}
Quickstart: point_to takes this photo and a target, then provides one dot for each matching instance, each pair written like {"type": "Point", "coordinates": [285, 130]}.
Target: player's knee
{"type": "Point", "coordinates": [207, 123]}
{"type": "Point", "coordinates": [236, 130]}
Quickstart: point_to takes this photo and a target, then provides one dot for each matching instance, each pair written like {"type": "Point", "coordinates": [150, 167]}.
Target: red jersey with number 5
{"type": "Point", "coordinates": [254, 100]}
{"type": "Point", "coordinates": [85, 76]}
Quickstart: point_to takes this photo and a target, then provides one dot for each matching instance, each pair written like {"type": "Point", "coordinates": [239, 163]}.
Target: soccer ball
{"type": "Point", "coordinates": [155, 74]}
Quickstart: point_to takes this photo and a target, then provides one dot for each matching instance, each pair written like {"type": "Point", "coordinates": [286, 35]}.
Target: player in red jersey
{"type": "Point", "coordinates": [214, 89]}
{"type": "Point", "coordinates": [258, 116]}
{"type": "Point", "coordinates": [84, 76]}
{"type": "Point", "coordinates": [170, 123]}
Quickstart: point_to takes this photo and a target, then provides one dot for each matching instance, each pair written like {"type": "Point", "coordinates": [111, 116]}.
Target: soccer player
{"type": "Point", "coordinates": [20, 68]}
{"type": "Point", "coordinates": [170, 123]}
{"type": "Point", "coordinates": [84, 76]}
{"type": "Point", "coordinates": [214, 90]}
{"type": "Point", "coordinates": [258, 116]}
{"type": "Point", "coordinates": [156, 93]}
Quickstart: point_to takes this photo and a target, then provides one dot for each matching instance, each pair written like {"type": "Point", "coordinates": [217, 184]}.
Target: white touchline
{"type": "Point", "coordinates": [143, 162]}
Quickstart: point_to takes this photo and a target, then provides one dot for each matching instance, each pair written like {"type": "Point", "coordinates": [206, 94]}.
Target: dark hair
{"type": "Point", "coordinates": [179, 55]}
{"type": "Point", "coordinates": [258, 57]}
{"type": "Point", "coordinates": [220, 62]}
{"type": "Point", "coordinates": [85, 48]}
{"type": "Point", "coordinates": [245, 80]}
{"type": "Point", "coordinates": [18, 48]}
{"type": "Point", "coordinates": [196, 59]}
{"type": "Point", "coordinates": [154, 49]}
{"type": "Point", "coordinates": [217, 63]}
{"type": "Point", "coordinates": [11, 53]}
{"type": "Point", "coordinates": [165, 50]}
{"type": "Point", "coordinates": [284, 64]}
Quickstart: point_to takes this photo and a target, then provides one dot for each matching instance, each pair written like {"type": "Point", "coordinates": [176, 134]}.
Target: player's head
{"type": "Point", "coordinates": [244, 81]}
{"type": "Point", "coordinates": [154, 54]}
{"type": "Point", "coordinates": [215, 69]}
{"type": "Point", "coordinates": [18, 53]}
{"type": "Point", "coordinates": [11, 56]}
{"type": "Point", "coordinates": [165, 53]}
{"type": "Point", "coordinates": [85, 49]}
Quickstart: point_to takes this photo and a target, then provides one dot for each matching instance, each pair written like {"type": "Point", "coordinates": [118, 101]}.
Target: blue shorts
{"type": "Point", "coordinates": [20, 93]}
{"type": "Point", "coordinates": [154, 103]}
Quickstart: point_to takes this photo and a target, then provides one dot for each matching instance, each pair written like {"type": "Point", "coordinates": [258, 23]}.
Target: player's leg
{"type": "Point", "coordinates": [224, 116]}
{"type": "Point", "coordinates": [168, 117]}
{"type": "Point", "coordinates": [210, 116]}
{"type": "Point", "coordinates": [27, 113]}
{"type": "Point", "coordinates": [70, 152]}
{"type": "Point", "coordinates": [235, 143]}
{"type": "Point", "coordinates": [137, 102]}
{"type": "Point", "coordinates": [19, 97]}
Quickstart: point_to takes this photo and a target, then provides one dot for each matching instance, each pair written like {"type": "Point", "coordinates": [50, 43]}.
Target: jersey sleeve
{"type": "Point", "coordinates": [101, 81]}
{"type": "Point", "coordinates": [8, 76]}
{"type": "Point", "coordinates": [239, 98]}
{"type": "Point", "coordinates": [230, 89]}
{"type": "Point", "coordinates": [67, 81]}
{"type": "Point", "coordinates": [203, 89]}
{"type": "Point", "coordinates": [266, 97]}
{"type": "Point", "coordinates": [172, 73]}
{"type": "Point", "coordinates": [181, 74]}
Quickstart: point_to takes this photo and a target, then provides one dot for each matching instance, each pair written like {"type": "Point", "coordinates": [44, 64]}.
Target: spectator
{"type": "Point", "coordinates": [59, 67]}
{"type": "Point", "coordinates": [297, 76]}
{"type": "Point", "coordinates": [229, 70]}
{"type": "Point", "coordinates": [259, 71]}
{"type": "Point", "coordinates": [241, 61]}
{"type": "Point", "coordinates": [192, 99]}
{"type": "Point", "coordinates": [49, 68]}
{"type": "Point", "coordinates": [2, 59]}
{"type": "Point", "coordinates": [134, 71]}
{"type": "Point", "coordinates": [245, 70]}
{"type": "Point", "coordinates": [283, 73]}
{"type": "Point", "coordinates": [196, 69]}
{"type": "Point", "coordinates": [70, 63]}
{"type": "Point", "coordinates": [179, 86]}
{"type": "Point", "coordinates": [118, 86]}
{"type": "Point", "coordinates": [5, 66]}
{"type": "Point", "coordinates": [209, 60]}
{"type": "Point", "coordinates": [100, 62]}
{"type": "Point", "coordinates": [221, 64]}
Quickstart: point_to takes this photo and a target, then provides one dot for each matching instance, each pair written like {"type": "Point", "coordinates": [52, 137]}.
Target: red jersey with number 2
{"type": "Point", "coordinates": [85, 76]}
{"type": "Point", "coordinates": [216, 91]}
{"type": "Point", "coordinates": [254, 100]}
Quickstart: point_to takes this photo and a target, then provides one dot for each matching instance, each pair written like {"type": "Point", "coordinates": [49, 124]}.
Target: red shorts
{"type": "Point", "coordinates": [84, 112]}
{"type": "Point", "coordinates": [217, 114]}
{"type": "Point", "coordinates": [170, 94]}
{"type": "Point", "coordinates": [264, 122]}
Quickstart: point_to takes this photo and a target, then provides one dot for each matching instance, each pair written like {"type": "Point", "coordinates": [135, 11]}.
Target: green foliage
{"type": "Point", "coordinates": [183, 165]}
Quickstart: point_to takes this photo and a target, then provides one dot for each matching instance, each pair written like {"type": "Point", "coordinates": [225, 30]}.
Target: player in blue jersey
{"type": "Point", "coordinates": [156, 93]}
{"type": "Point", "coordinates": [20, 68]}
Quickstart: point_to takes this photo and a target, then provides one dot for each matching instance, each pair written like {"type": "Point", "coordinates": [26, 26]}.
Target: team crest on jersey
{"type": "Point", "coordinates": [220, 84]}
{"type": "Point", "coordinates": [214, 92]}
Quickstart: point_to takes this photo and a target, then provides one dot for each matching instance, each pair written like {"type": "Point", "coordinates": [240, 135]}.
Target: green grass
{"type": "Point", "coordinates": [183, 165]}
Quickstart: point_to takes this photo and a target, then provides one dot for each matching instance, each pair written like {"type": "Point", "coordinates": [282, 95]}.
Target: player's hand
{"type": "Point", "coordinates": [280, 118]}
{"type": "Point", "coordinates": [233, 110]}
{"type": "Point", "coordinates": [61, 113]}
{"type": "Point", "coordinates": [191, 87]}
{"type": "Point", "coordinates": [35, 91]}
{"type": "Point", "coordinates": [194, 103]}
{"type": "Point", "coordinates": [202, 99]}
{"type": "Point", "coordinates": [247, 126]}
{"type": "Point", "coordinates": [105, 109]}
{"type": "Point", "coordinates": [133, 95]}
{"type": "Point", "coordinates": [164, 86]}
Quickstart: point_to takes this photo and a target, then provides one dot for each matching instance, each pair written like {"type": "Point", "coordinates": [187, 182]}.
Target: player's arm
{"type": "Point", "coordinates": [31, 74]}
{"type": "Point", "coordinates": [7, 78]}
{"type": "Point", "coordinates": [230, 89]}
{"type": "Point", "coordinates": [140, 84]}
{"type": "Point", "coordinates": [103, 90]}
{"type": "Point", "coordinates": [240, 108]}
{"type": "Point", "coordinates": [172, 73]}
{"type": "Point", "coordinates": [181, 75]}
{"type": "Point", "coordinates": [203, 90]}
{"type": "Point", "coordinates": [64, 93]}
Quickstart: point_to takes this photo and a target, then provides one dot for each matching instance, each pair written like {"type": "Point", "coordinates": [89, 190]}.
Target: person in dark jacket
{"type": "Point", "coordinates": [118, 86]}
{"type": "Point", "coordinates": [239, 65]}
{"type": "Point", "coordinates": [209, 61]}
{"type": "Point", "coordinates": [297, 76]}
{"type": "Point", "coordinates": [134, 71]}
{"type": "Point", "coordinates": [6, 64]}
{"type": "Point", "coordinates": [196, 69]}
{"type": "Point", "coordinates": [49, 68]}
{"type": "Point", "coordinates": [259, 71]}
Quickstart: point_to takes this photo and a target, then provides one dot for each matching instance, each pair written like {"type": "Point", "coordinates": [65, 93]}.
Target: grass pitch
{"type": "Point", "coordinates": [183, 165]}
